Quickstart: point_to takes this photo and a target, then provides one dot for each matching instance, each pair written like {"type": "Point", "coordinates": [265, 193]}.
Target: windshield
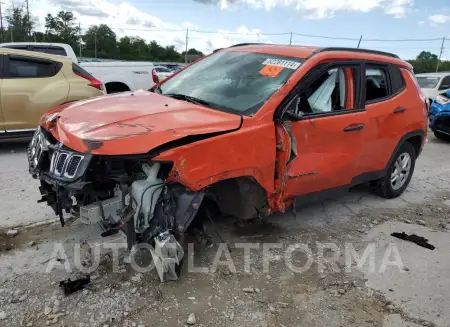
{"type": "Point", "coordinates": [235, 82]}
{"type": "Point", "coordinates": [428, 82]}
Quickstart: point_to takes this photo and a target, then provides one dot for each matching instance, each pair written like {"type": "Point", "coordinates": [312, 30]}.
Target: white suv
{"type": "Point", "coordinates": [433, 84]}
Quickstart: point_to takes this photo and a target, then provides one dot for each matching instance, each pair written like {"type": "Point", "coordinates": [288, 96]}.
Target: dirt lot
{"type": "Point", "coordinates": [318, 285]}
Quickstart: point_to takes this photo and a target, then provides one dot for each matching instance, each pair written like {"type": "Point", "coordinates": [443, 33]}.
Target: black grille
{"type": "Point", "coordinates": [443, 124]}
{"type": "Point", "coordinates": [61, 161]}
{"type": "Point", "coordinates": [73, 165]}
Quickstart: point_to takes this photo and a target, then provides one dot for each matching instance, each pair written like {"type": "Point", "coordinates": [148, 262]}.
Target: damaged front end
{"type": "Point", "coordinates": [126, 193]}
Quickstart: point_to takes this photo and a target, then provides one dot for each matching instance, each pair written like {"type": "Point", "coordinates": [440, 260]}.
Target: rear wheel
{"type": "Point", "coordinates": [398, 175]}
{"type": "Point", "coordinates": [442, 136]}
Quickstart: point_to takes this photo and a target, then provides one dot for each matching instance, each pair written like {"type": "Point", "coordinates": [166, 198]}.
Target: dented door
{"type": "Point", "coordinates": [323, 149]}
{"type": "Point", "coordinates": [327, 155]}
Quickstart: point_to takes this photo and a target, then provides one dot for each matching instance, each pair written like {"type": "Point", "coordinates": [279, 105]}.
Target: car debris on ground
{"type": "Point", "coordinates": [419, 240]}
{"type": "Point", "coordinates": [12, 232]}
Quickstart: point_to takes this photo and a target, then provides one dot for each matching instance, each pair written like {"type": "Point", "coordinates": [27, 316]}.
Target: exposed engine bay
{"type": "Point", "coordinates": [121, 193]}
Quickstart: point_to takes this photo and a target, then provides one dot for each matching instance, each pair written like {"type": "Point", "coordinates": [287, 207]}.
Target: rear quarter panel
{"type": "Point", "coordinates": [78, 86]}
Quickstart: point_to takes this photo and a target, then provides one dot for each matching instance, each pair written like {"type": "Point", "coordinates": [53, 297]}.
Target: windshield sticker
{"type": "Point", "coordinates": [282, 63]}
{"type": "Point", "coordinates": [271, 71]}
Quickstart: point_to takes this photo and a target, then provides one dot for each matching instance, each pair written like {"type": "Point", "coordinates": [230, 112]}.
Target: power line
{"type": "Point", "coordinates": [238, 33]}
{"type": "Point", "coordinates": [401, 40]}
{"type": "Point", "coordinates": [274, 34]}
{"type": "Point", "coordinates": [325, 37]}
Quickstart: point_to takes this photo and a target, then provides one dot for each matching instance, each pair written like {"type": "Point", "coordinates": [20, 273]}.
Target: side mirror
{"type": "Point", "coordinates": [292, 111]}
{"type": "Point", "coordinates": [294, 116]}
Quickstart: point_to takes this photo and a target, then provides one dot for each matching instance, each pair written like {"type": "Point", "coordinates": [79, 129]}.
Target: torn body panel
{"type": "Point", "coordinates": [132, 123]}
{"type": "Point", "coordinates": [286, 152]}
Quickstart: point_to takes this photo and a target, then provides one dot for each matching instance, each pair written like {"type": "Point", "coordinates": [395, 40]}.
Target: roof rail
{"type": "Point", "coordinates": [244, 44]}
{"type": "Point", "coordinates": [382, 53]}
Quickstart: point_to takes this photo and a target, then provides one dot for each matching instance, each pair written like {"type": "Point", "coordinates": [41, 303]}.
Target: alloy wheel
{"type": "Point", "coordinates": [401, 171]}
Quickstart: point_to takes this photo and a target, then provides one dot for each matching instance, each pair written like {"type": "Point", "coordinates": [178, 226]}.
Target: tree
{"type": "Point", "coordinates": [426, 55]}
{"type": "Point", "coordinates": [171, 54]}
{"type": "Point", "coordinates": [425, 62]}
{"type": "Point", "coordinates": [63, 28]}
{"type": "Point", "coordinates": [194, 52]}
{"type": "Point", "coordinates": [156, 51]}
{"type": "Point", "coordinates": [100, 41]}
{"type": "Point", "coordinates": [20, 25]}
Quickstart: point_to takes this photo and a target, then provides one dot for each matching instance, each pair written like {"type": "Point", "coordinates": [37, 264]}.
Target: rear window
{"type": "Point", "coordinates": [397, 80]}
{"type": "Point", "coordinates": [50, 49]}
{"type": "Point", "coordinates": [17, 47]}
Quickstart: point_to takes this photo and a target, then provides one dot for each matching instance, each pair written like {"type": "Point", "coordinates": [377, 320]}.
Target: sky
{"type": "Point", "coordinates": [212, 24]}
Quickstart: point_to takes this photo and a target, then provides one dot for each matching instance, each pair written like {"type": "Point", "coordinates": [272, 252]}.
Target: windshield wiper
{"type": "Point", "coordinates": [188, 98]}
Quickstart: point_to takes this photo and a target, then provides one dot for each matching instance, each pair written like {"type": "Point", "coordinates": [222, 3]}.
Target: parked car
{"type": "Point", "coordinates": [117, 76]}
{"type": "Point", "coordinates": [34, 82]}
{"type": "Point", "coordinates": [439, 116]}
{"type": "Point", "coordinates": [433, 84]}
{"type": "Point", "coordinates": [163, 72]}
{"type": "Point", "coordinates": [243, 132]}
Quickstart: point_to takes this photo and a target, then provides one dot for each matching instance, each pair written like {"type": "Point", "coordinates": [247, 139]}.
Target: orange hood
{"type": "Point", "coordinates": [132, 123]}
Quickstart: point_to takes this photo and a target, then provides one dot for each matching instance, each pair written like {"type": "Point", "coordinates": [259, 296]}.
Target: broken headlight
{"type": "Point", "coordinates": [36, 149]}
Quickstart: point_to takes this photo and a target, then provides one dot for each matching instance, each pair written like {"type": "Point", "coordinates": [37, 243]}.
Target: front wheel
{"type": "Point", "coordinates": [442, 136]}
{"type": "Point", "coordinates": [398, 175]}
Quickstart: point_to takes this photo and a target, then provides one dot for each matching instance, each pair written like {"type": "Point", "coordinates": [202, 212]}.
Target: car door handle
{"type": "Point", "coordinates": [399, 110]}
{"type": "Point", "coordinates": [354, 128]}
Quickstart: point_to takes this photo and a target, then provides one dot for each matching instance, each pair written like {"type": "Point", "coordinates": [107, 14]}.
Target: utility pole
{"type": "Point", "coordinates": [440, 54]}
{"type": "Point", "coordinates": [28, 27]}
{"type": "Point", "coordinates": [186, 53]}
{"type": "Point", "coordinates": [290, 39]}
{"type": "Point", "coordinates": [95, 43]}
{"type": "Point", "coordinates": [1, 22]}
{"type": "Point", "coordinates": [79, 37]}
{"type": "Point", "coordinates": [359, 42]}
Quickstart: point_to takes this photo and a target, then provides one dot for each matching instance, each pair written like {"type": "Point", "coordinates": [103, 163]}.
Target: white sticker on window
{"type": "Point", "coordinates": [283, 63]}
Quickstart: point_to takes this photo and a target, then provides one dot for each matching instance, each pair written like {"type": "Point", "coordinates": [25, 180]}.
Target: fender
{"type": "Point", "coordinates": [230, 155]}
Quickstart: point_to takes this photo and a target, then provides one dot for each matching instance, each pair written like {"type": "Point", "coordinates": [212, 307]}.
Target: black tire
{"type": "Point", "coordinates": [442, 136]}
{"type": "Point", "coordinates": [383, 187]}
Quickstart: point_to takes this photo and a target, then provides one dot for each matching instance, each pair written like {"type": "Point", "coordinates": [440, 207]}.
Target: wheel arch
{"type": "Point", "coordinates": [416, 138]}
{"type": "Point", "coordinates": [114, 86]}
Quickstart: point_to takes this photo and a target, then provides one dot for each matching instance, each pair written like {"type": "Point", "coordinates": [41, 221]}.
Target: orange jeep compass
{"type": "Point", "coordinates": [245, 131]}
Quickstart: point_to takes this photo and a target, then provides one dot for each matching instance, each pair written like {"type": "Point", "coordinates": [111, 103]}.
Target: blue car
{"type": "Point", "coordinates": [439, 116]}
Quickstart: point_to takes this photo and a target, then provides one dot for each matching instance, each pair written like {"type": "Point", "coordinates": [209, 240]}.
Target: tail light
{"type": "Point", "coordinates": [84, 74]}
{"type": "Point", "coordinates": [154, 76]}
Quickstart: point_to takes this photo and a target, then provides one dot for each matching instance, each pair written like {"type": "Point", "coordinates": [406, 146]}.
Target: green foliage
{"type": "Point", "coordinates": [427, 62]}
{"type": "Point", "coordinates": [19, 24]}
{"type": "Point", "coordinates": [99, 41]}
{"type": "Point", "coordinates": [63, 28]}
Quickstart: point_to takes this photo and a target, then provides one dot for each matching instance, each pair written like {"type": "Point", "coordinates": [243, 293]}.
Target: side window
{"type": "Point", "coordinates": [376, 83]}
{"type": "Point", "coordinates": [24, 67]}
{"type": "Point", "coordinates": [445, 84]}
{"type": "Point", "coordinates": [397, 80]}
{"type": "Point", "coordinates": [333, 90]}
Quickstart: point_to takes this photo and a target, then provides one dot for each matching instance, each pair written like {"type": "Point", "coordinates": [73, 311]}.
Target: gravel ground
{"type": "Point", "coordinates": [244, 293]}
